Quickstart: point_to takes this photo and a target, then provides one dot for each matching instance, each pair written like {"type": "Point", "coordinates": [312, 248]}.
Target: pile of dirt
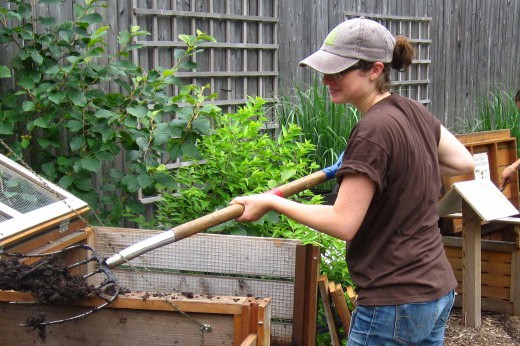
{"type": "Point", "coordinates": [48, 280]}
{"type": "Point", "coordinates": [497, 330]}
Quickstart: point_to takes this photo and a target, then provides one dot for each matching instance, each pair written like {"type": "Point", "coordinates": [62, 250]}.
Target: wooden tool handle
{"type": "Point", "coordinates": [205, 222]}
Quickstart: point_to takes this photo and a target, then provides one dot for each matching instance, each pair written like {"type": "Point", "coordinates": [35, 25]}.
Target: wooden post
{"type": "Point", "coordinates": [323, 285]}
{"type": "Point", "coordinates": [471, 266]}
{"type": "Point", "coordinates": [305, 295]}
{"type": "Point", "coordinates": [340, 301]}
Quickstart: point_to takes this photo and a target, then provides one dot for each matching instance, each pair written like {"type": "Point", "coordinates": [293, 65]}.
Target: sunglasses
{"type": "Point", "coordinates": [337, 76]}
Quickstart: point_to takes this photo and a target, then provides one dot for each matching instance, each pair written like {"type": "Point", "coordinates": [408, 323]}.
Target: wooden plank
{"type": "Point", "coordinates": [47, 237]}
{"type": "Point", "coordinates": [48, 224]}
{"type": "Point", "coordinates": [305, 294]}
{"type": "Point", "coordinates": [490, 304]}
{"type": "Point", "coordinates": [282, 292]}
{"type": "Point", "coordinates": [483, 136]}
{"type": "Point", "coordinates": [255, 313]}
{"type": "Point", "coordinates": [515, 282]}
{"type": "Point", "coordinates": [250, 340]}
{"type": "Point", "coordinates": [454, 243]}
{"type": "Point", "coordinates": [323, 285]}
{"type": "Point", "coordinates": [263, 321]}
{"type": "Point", "coordinates": [338, 297]}
{"type": "Point", "coordinates": [149, 301]}
{"type": "Point", "coordinates": [471, 283]}
{"type": "Point", "coordinates": [116, 327]}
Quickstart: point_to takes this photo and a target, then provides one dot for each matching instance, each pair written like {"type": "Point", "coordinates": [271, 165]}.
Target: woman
{"type": "Point", "coordinates": [509, 172]}
{"type": "Point", "coordinates": [389, 187]}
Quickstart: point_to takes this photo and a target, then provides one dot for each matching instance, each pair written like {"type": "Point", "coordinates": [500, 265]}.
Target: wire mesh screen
{"type": "Point", "coordinates": [212, 265]}
{"type": "Point", "coordinates": [22, 195]}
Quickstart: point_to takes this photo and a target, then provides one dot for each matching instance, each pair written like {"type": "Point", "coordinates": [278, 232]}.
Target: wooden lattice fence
{"type": "Point", "coordinates": [242, 62]}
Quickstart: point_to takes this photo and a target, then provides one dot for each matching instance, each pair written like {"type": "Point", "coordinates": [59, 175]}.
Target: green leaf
{"type": "Point", "coordinates": [104, 113]}
{"type": "Point", "coordinates": [47, 21]}
{"type": "Point", "coordinates": [162, 134]}
{"type": "Point", "coordinates": [62, 161]}
{"type": "Point", "coordinates": [28, 106]}
{"type": "Point", "coordinates": [91, 164]}
{"type": "Point", "coordinates": [114, 173]}
{"type": "Point", "coordinates": [144, 181]}
{"type": "Point", "coordinates": [49, 170]}
{"type": "Point", "coordinates": [131, 183]}
{"type": "Point", "coordinates": [5, 72]}
{"type": "Point", "coordinates": [43, 142]}
{"type": "Point", "coordinates": [84, 184]}
{"type": "Point", "coordinates": [57, 97]}
{"type": "Point", "coordinates": [77, 97]}
{"type": "Point", "coordinates": [165, 180]}
{"type": "Point", "coordinates": [189, 149]}
{"type": "Point", "coordinates": [287, 175]}
{"type": "Point", "coordinates": [42, 122]}
{"type": "Point", "coordinates": [179, 53]}
{"type": "Point", "coordinates": [74, 125]}
{"type": "Point", "coordinates": [26, 82]}
{"type": "Point", "coordinates": [77, 143]}
{"type": "Point", "coordinates": [92, 18]}
{"type": "Point", "coordinates": [66, 181]}
{"type": "Point", "coordinates": [142, 142]}
{"type": "Point", "coordinates": [139, 111]}
{"type": "Point", "coordinates": [25, 143]}
{"type": "Point", "coordinates": [6, 129]}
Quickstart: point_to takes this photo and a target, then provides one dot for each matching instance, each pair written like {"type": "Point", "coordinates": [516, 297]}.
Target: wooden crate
{"type": "Point", "coordinates": [282, 269]}
{"type": "Point", "coordinates": [139, 319]}
{"type": "Point", "coordinates": [500, 149]}
{"type": "Point", "coordinates": [500, 274]}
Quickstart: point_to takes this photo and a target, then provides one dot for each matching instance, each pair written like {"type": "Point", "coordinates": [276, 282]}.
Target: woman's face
{"type": "Point", "coordinates": [349, 86]}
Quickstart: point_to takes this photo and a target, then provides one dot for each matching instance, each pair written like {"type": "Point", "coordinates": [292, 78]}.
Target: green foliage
{"type": "Point", "coordinates": [495, 112]}
{"type": "Point", "coordinates": [325, 124]}
{"type": "Point", "coordinates": [60, 119]}
{"type": "Point", "coordinates": [240, 158]}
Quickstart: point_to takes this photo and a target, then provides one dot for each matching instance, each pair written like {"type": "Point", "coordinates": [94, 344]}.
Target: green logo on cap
{"type": "Point", "coordinates": [331, 38]}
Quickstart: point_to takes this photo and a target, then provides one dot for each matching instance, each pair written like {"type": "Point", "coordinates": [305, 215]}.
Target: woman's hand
{"type": "Point", "coordinates": [508, 173]}
{"type": "Point", "coordinates": [255, 206]}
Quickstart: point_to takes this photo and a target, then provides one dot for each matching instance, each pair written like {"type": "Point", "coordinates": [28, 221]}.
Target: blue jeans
{"type": "Point", "coordinates": [407, 324]}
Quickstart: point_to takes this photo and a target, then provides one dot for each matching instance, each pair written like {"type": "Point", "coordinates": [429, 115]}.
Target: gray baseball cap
{"type": "Point", "coordinates": [353, 40]}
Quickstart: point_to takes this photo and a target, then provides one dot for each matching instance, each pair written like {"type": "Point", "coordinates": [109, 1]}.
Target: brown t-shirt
{"type": "Point", "coordinates": [397, 255]}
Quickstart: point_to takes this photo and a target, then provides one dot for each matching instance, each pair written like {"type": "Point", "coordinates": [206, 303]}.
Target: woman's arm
{"type": "Point", "coordinates": [454, 158]}
{"type": "Point", "coordinates": [341, 220]}
{"type": "Point", "coordinates": [508, 173]}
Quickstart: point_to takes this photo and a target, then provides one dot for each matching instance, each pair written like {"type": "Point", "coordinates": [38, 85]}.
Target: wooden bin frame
{"type": "Point", "coordinates": [250, 318]}
{"type": "Point", "coordinates": [500, 273]}
{"type": "Point", "coordinates": [502, 151]}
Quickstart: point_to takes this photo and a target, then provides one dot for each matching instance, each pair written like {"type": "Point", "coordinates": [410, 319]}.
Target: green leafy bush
{"type": "Point", "coordinates": [240, 159]}
{"type": "Point", "coordinates": [60, 120]}
{"type": "Point", "coordinates": [325, 124]}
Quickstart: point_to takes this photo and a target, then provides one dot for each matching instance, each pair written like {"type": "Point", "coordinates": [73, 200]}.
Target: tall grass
{"type": "Point", "coordinates": [494, 112]}
{"type": "Point", "coordinates": [325, 124]}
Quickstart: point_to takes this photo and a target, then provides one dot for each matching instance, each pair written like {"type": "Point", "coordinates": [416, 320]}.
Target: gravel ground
{"type": "Point", "coordinates": [497, 329]}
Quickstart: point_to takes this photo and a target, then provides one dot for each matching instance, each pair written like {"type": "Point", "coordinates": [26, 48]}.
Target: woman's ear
{"type": "Point", "coordinates": [377, 69]}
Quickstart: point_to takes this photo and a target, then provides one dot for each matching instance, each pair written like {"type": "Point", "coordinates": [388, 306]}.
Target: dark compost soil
{"type": "Point", "coordinates": [48, 280]}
